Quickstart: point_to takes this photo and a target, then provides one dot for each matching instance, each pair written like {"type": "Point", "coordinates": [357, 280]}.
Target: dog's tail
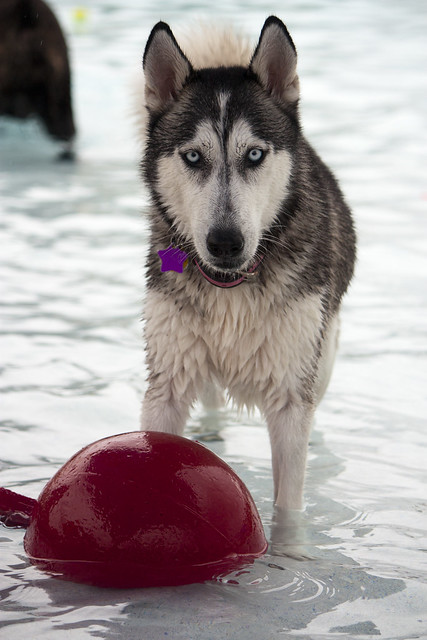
{"type": "Point", "coordinates": [215, 45]}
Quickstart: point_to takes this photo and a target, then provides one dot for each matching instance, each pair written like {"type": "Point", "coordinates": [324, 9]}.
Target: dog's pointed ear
{"type": "Point", "coordinates": [275, 61]}
{"type": "Point", "coordinates": [165, 67]}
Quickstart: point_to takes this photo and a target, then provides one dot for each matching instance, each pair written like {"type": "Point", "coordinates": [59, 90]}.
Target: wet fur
{"type": "Point", "coordinates": [271, 341]}
{"type": "Point", "coordinates": [35, 76]}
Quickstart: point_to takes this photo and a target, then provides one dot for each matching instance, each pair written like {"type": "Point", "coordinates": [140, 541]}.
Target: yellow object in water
{"type": "Point", "coordinates": [80, 15]}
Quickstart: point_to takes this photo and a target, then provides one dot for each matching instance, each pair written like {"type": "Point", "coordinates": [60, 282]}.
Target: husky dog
{"type": "Point", "coordinates": [270, 243]}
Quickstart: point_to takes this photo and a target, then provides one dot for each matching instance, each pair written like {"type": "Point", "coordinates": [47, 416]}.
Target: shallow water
{"type": "Point", "coordinates": [72, 277]}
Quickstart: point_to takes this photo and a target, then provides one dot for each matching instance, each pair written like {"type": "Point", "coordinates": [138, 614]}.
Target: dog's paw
{"type": "Point", "coordinates": [300, 552]}
{"type": "Point", "coordinates": [290, 536]}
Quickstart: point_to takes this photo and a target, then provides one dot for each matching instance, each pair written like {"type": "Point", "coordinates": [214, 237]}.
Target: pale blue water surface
{"type": "Point", "coordinates": [72, 280]}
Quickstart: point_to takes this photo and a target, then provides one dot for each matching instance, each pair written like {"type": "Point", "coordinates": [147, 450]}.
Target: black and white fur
{"type": "Point", "coordinates": [234, 181]}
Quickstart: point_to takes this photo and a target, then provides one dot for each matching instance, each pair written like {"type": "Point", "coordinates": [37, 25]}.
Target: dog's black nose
{"type": "Point", "coordinates": [225, 243]}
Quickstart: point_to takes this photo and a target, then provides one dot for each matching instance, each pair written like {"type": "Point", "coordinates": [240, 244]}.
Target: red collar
{"type": "Point", "coordinates": [246, 275]}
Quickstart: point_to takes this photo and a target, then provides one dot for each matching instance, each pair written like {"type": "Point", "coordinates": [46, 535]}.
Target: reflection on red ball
{"type": "Point", "coordinates": [144, 509]}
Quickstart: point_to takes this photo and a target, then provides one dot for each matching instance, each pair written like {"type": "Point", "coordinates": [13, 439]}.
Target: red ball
{"type": "Point", "coordinates": [144, 509]}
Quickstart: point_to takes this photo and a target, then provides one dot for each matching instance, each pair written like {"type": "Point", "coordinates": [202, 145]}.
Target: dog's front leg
{"type": "Point", "coordinates": [173, 361]}
{"type": "Point", "coordinates": [289, 430]}
{"type": "Point", "coordinates": [164, 408]}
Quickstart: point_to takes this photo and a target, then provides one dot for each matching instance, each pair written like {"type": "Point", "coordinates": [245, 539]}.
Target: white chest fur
{"type": "Point", "coordinates": [251, 346]}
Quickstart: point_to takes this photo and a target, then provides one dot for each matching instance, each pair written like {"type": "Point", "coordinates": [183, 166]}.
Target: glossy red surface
{"type": "Point", "coordinates": [144, 509]}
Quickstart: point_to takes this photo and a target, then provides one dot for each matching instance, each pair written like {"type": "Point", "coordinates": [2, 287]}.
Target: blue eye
{"type": "Point", "coordinates": [255, 155]}
{"type": "Point", "coordinates": [192, 157]}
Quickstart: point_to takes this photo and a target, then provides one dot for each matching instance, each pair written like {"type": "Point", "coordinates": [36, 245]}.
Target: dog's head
{"type": "Point", "coordinates": [220, 142]}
